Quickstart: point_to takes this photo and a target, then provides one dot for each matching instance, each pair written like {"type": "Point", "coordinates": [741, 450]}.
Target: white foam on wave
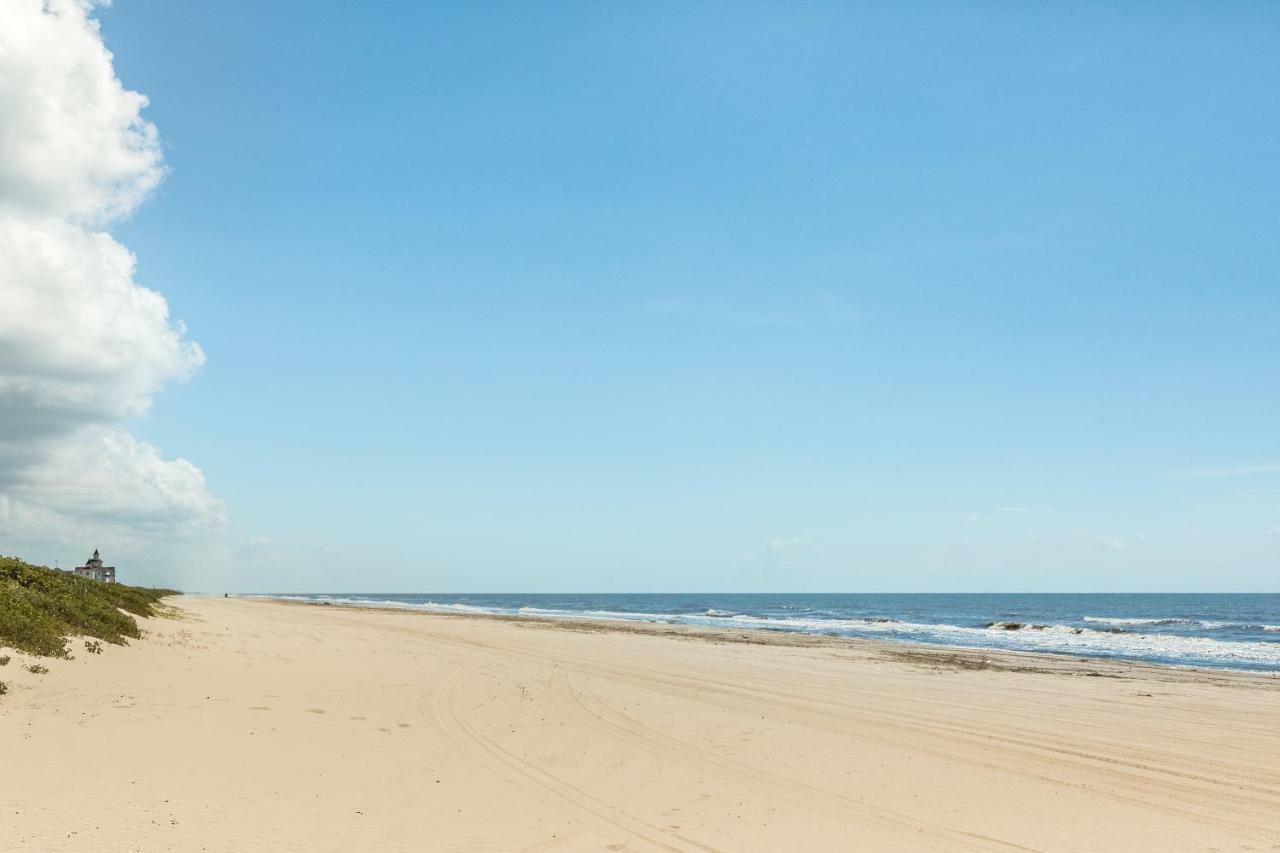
{"type": "Point", "coordinates": [1061, 639]}
{"type": "Point", "coordinates": [387, 603]}
{"type": "Point", "coordinates": [446, 607]}
{"type": "Point", "coordinates": [613, 615]}
{"type": "Point", "coordinates": [1121, 621]}
{"type": "Point", "coordinates": [1205, 624]}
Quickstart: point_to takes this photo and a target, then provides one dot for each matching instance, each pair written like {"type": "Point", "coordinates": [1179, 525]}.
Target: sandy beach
{"type": "Point", "coordinates": [253, 725]}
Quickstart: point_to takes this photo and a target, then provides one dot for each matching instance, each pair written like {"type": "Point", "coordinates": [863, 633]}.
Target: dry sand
{"type": "Point", "coordinates": [252, 725]}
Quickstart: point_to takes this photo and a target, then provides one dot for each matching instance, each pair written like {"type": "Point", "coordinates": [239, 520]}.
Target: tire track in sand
{"type": "Point", "coordinates": [958, 742]}
{"type": "Point", "coordinates": [1137, 790]}
{"type": "Point", "coordinates": [604, 718]}
{"type": "Point", "coordinates": [533, 779]}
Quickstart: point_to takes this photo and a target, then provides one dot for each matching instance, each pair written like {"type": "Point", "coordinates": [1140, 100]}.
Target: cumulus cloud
{"type": "Point", "coordinates": [73, 143]}
{"type": "Point", "coordinates": [79, 339]}
{"type": "Point", "coordinates": [781, 553]}
{"type": "Point", "coordinates": [107, 474]}
{"type": "Point", "coordinates": [83, 346]}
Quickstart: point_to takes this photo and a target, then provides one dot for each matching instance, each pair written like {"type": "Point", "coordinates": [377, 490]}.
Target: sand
{"type": "Point", "coordinates": [252, 725]}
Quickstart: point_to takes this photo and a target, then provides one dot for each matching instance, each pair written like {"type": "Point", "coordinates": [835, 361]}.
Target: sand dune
{"type": "Point", "coordinates": [249, 725]}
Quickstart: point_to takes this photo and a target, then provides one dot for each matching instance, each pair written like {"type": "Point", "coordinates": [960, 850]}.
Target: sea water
{"type": "Point", "coordinates": [1238, 631]}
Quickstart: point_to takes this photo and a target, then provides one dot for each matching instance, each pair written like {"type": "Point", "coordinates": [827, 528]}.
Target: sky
{"type": "Point", "coordinates": [685, 296]}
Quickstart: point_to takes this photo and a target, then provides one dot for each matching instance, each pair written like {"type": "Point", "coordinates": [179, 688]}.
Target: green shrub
{"type": "Point", "coordinates": [41, 607]}
{"type": "Point", "coordinates": [4, 688]}
{"type": "Point", "coordinates": [36, 669]}
{"type": "Point", "coordinates": [4, 660]}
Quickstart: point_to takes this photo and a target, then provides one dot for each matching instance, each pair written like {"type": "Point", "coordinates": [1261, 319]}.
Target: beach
{"type": "Point", "coordinates": [250, 725]}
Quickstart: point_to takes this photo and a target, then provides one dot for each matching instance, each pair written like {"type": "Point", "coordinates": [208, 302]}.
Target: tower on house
{"type": "Point", "coordinates": [94, 569]}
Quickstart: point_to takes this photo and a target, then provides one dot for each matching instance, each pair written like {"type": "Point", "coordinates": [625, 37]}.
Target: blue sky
{"type": "Point", "coordinates": [696, 296]}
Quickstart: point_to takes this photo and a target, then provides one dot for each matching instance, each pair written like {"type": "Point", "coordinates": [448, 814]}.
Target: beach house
{"type": "Point", "coordinates": [94, 569]}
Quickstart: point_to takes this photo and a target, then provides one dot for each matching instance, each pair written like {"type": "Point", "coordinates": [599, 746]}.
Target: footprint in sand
{"type": "Point", "coordinates": [259, 708]}
{"type": "Point", "coordinates": [315, 710]}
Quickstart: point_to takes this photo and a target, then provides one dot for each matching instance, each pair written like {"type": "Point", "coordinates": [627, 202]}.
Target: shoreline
{"type": "Point", "coordinates": [254, 724]}
{"type": "Point", "coordinates": [959, 656]}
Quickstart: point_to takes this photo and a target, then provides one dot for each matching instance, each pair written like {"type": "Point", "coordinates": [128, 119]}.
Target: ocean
{"type": "Point", "coordinates": [1236, 631]}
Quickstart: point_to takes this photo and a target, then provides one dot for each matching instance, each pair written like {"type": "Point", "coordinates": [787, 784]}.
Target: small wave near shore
{"type": "Point", "coordinates": [1241, 632]}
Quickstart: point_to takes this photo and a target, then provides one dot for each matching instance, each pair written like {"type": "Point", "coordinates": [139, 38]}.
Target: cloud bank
{"type": "Point", "coordinates": [83, 346]}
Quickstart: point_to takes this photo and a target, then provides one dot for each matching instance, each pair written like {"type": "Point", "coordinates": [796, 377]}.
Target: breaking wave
{"type": "Point", "coordinates": [1238, 643]}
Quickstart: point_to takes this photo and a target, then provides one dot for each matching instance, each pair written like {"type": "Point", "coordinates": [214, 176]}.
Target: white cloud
{"type": "Point", "coordinates": [73, 143]}
{"type": "Point", "coordinates": [780, 553]}
{"type": "Point", "coordinates": [1111, 543]}
{"type": "Point", "coordinates": [789, 546]}
{"type": "Point", "coordinates": [1214, 473]}
{"type": "Point", "coordinates": [79, 339]}
{"type": "Point", "coordinates": [105, 474]}
{"type": "Point", "coordinates": [83, 347]}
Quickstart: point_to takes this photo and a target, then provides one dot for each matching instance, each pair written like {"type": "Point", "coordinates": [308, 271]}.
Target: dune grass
{"type": "Point", "coordinates": [40, 608]}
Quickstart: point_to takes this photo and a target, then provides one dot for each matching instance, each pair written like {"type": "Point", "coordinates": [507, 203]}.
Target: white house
{"type": "Point", "coordinates": [95, 570]}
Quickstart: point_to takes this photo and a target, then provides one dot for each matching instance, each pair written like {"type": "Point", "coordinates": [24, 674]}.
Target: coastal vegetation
{"type": "Point", "coordinates": [40, 608]}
